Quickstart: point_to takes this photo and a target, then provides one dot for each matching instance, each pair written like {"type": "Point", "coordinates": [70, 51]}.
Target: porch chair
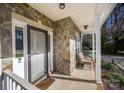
{"type": "Point", "coordinates": [83, 60]}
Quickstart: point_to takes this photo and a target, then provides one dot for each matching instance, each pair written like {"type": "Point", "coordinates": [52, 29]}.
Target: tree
{"type": "Point", "coordinates": [113, 30]}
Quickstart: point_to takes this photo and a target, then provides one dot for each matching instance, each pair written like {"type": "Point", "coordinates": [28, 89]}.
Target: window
{"type": "Point", "coordinates": [19, 41]}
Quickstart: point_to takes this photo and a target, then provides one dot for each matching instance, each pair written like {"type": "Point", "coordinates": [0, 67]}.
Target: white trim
{"type": "Point", "coordinates": [29, 21]}
{"type": "Point", "coordinates": [23, 25]}
{"type": "Point", "coordinates": [99, 20]}
{"type": "Point", "coordinates": [51, 52]}
{"type": "Point", "coordinates": [98, 49]}
{"type": "Point", "coordinates": [23, 20]}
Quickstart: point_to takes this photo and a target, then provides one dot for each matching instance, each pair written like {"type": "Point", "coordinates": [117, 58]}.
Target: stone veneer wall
{"type": "Point", "coordinates": [65, 30]}
{"type": "Point", "coordinates": [6, 25]}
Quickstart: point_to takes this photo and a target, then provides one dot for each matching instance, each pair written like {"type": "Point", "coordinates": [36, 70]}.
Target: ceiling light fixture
{"type": "Point", "coordinates": [62, 5]}
{"type": "Point", "coordinates": [85, 26]}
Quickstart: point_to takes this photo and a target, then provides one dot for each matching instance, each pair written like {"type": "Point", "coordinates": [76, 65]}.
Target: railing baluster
{"type": "Point", "coordinates": [12, 84]}
{"type": "Point", "coordinates": [10, 81]}
{"type": "Point", "coordinates": [5, 81]}
{"type": "Point", "coordinates": [16, 86]}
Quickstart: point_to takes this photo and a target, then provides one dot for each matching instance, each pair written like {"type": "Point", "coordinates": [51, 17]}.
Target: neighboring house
{"type": "Point", "coordinates": [46, 45]}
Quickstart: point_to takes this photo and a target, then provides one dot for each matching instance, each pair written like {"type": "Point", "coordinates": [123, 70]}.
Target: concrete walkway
{"type": "Point", "coordinates": [82, 79]}
{"type": "Point", "coordinates": [108, 58]}
{"type": "Point", "coordinates": [118, 60]}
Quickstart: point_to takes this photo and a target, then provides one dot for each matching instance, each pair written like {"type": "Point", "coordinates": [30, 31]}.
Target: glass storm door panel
{"type": "Point", "coordinates": [37, 54]}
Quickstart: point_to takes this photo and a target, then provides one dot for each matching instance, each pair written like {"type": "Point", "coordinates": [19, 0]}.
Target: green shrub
{"type": "Point", "coordinates": [121, 83]}
{"type": "Point", "coordinates": [116, 78]}
{"type": "Point", "coordinates": [113, 77]}
{"type": "Point", "coordinates": [107, 66]}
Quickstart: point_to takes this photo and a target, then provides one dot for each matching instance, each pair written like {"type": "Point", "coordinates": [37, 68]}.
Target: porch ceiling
{"type": "Point", "coordinates": [81, 13]}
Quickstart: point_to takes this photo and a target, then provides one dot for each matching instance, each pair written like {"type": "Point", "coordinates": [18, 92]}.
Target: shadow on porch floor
{"type": "Point", "coordinates": [82, 79]}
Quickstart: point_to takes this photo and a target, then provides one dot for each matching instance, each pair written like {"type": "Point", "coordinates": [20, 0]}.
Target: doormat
{"type": "Point", "coordinates": [45, 83]}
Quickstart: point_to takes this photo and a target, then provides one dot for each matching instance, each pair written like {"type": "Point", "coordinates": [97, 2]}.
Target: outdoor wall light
{"type": "Point", "coordinates": [62, 5]}
{"type": "Point", "coordinates": [85, 26]}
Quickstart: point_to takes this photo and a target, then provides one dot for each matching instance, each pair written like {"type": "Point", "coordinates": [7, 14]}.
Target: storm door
{"type": "Point", "coordinates": [37, 53]}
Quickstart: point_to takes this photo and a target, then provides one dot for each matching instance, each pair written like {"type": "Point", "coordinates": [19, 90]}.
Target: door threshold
{"type": "Point", "coordinates": [40, 80]}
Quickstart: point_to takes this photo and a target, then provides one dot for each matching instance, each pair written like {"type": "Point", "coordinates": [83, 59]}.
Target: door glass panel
{"type": "Point", "coordinates": [19, 42]}
{"type": "Point", "coordinates": [38, 54]}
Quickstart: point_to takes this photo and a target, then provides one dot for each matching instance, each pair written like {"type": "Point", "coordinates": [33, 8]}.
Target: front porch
{"type": "Point", "coordinates": [42, 52]}
{"type": "Point", "coordinates": [83, 78]}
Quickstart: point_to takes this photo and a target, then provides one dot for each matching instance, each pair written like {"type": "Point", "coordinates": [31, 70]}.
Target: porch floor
{"type": "Point", "coordinates": [82, 79]}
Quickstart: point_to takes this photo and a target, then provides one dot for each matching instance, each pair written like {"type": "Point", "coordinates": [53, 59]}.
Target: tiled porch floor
{"type": "Point", "coordinates": [82, 79]}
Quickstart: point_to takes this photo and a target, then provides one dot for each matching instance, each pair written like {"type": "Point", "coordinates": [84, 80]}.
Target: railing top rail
{"type": "Point", "coordinates": [20, 81]}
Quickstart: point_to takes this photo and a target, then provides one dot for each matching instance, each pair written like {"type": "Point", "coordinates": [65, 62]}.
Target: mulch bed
{"type": "Point", "coordinates": [108, 85]}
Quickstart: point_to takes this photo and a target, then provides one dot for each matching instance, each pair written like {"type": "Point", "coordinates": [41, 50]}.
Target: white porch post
{"type": "Point", "coordinates": [98, 50]}
{"type": "Point", "coordinates": [93, 47]}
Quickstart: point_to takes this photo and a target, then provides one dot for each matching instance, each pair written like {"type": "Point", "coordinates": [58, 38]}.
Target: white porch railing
{"type": "Point", "coordinates": [89, 53]}
{"type": "Point", "coordinates": [11, 81]}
